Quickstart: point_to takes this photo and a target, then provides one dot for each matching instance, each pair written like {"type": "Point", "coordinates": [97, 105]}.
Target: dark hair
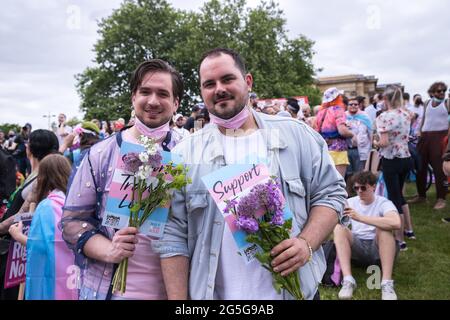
{"type": "Point", "coordinates": [418, 101]}
{"type": "Point", "coordinates": [87, 140]}
{"type": "Point", "coordinates": [406, 96]}
{"type": "Point", "coordinates": [365, 177]}
{"type": "Point", "coordinates": [157, 65]}
{"type": "Point", "coordinates": [345, 100]}
{"type": "Point", "coordinates": [435, 86]}
{"type": "Point", "coordinates": [204, 114]}
{"type": "Point", "coordinates": [238, 60]}
{"type": "Point", "coordinates": [292, 104]}
{"type": "Point", "coordinates": [108, 128]}
{"type": "Point", "coordinates": [360, 99]}
{"type": "Point", "coordinates": [54, 172]}
{"type": "Point", "coordinates": [379, 96]}
{"type": "Point", "coordinates": [42, 143]}
{"type": "Point", "coordinates": [195, 108]}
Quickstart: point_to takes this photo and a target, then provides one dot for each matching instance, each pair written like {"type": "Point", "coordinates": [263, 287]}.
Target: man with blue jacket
{"type": "Point", "coordinates": [198, 255]}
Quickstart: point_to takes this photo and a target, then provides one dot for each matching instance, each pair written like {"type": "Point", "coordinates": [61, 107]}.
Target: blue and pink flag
{"type": "Point", "coordinates": [50, 269]}
{"type": "Point", "coordinates": [119, 202]}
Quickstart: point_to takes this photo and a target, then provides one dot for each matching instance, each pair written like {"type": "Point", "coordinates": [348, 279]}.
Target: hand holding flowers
{"type": "Point", "coordinates": [260, 214]}
{"type": "Point", "coordinates": [149, 191]}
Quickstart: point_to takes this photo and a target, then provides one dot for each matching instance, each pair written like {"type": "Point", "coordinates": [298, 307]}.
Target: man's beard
{"type": "Point", "coordinates": [179, 126]}
{"type": "Point", "coordinates": [230, 114]}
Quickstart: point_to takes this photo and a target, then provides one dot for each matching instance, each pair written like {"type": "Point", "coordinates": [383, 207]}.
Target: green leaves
{"type": "Point", "coordinates": [135, 208]}
{"type": "Point", "coordinates": [145, 29]}
{"type": "Point", "coordinates": [267, 237]}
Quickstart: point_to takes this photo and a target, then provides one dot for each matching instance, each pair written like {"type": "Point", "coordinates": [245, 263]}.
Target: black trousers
{"type": "Point", "coordinates": [317, 295]}
{"type": "Point", "coordinates": [395, 172]}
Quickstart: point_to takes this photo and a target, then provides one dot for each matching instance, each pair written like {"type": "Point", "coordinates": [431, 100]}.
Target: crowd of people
{"type": "Point", "coordinates": [322, 157]}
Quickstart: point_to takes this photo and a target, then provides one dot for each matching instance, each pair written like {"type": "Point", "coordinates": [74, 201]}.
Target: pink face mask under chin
{"type": "Point", "coordinates": [234, 123]}
{"type": "Point", "coordinates": [155, 133]}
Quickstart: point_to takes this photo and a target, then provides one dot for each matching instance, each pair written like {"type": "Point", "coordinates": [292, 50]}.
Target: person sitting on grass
{"type": "Point", "coordinates": [371, 240]}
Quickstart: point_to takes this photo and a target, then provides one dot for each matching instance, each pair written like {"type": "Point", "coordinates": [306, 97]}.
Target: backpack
{"type": "Point", "coordinates": [332, 276]}
{"type": "Point", "coordinates": [7, 175]}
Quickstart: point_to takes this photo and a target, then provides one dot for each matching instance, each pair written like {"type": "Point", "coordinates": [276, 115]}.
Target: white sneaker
{"type": "Point", "coordinates": [388, 292]}
{"type": "Point", "coordinates": [346, 292]}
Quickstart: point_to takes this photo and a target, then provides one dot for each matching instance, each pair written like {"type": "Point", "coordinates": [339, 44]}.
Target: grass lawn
{"type": "Point", "coordinates": [423, 271]}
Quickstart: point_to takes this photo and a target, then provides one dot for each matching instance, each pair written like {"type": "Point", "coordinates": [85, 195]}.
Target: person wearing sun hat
{"type": "Point", "coordinates": [90, 126]}
{"type": "Point", "coordinates": [331, 124]}
{"type": "Point", "coordinates": [76, 144]}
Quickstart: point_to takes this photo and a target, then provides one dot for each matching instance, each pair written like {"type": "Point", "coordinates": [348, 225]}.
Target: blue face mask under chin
{"type": "Point", "coordinates": [439, 101]}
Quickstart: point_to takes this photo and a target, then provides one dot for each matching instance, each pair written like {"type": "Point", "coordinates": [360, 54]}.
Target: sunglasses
{"type": "Point", "coordinates": [441, 91]}
{"type": "Point", "coordinates": [362, 188]}
{"type": "Point", "coordinates": [353, 104]}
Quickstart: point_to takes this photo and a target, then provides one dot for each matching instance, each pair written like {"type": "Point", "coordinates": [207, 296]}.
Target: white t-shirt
{"type": "Point", "coordinates": [371, 112]}
{"type": "Point", "coordinates": [61, 131]}
{"type": "Point", "coordinates": [417, 110]}
{"type": "Point", "coordinates": [236, 280]}
{"type": "Point", "coordinates": [181, 132]}
{"type": "Point", "coordinates": [378, 208]}
{"type": "Point", "coordinates": [236, 149]}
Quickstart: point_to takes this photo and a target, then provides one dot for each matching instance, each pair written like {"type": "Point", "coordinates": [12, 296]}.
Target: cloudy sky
{"type": "Point", "coordinates": [44, 43]}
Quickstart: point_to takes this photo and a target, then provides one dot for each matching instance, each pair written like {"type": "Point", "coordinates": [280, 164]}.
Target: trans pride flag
{"type": "Point", "coordinates": [50, 270]}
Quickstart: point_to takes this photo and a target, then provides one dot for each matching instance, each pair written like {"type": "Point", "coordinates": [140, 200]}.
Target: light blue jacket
{"type": "Point", "coordinates": [298, 156]}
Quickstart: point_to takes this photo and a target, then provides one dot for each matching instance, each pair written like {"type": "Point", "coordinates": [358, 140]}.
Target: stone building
{"type": "Point", "coordinates": [353, 85]}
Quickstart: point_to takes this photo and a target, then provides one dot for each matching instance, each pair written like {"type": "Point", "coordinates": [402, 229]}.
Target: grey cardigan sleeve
{"type": "Point", "coordinates": [327, 185]}
{"type": "Point", "coordinates": [174, 240]}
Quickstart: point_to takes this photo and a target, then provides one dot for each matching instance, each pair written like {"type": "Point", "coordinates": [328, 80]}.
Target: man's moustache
{"type": "Point", "coordinates": [222, 97]}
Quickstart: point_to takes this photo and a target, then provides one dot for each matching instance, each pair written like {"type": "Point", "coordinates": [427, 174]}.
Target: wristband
{"type": "Point", "coordinates": [309, 247]}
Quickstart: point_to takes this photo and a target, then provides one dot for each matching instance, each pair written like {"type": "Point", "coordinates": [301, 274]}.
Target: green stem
{"type": "Point", "coordinates": [132, 201]}
{"type": "Point", "coordinates": [151, 204]}
{"type": "Point", "coordinates": [141, 186]}
{"type": "Point", "coordinates": [124, 275]}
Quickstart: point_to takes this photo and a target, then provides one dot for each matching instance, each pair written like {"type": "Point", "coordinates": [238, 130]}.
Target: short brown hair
{"type": "Point", "coordinates": [157, 65]}
{"type": "Point", "coordinates": [365, 177]}
{"type": "Point", "coordinates": [435, 86]}
{"type": "Point", "coordinates": [54, 173]}
{"type": "Point", "coordinates": [238, 60]}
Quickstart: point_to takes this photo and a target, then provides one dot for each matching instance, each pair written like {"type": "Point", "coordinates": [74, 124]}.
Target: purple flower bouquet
{"type": "Point", "coordinates": [260, 214]}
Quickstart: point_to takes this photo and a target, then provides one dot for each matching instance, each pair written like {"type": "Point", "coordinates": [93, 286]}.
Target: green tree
{"type": "Point", "coordinates": [313, 93]}
{"type": "Point", "coordinates": [144, 29]}
{"type": "Point", "coordinates": [73, 122]}
{"type": "Point", "coordinates": [137, 31]}
{"type": "Point", "coordinates": [5, 127]}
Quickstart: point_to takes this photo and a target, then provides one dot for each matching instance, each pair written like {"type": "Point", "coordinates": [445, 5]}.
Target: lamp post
{"type": "Point", "coordinates": [49, 116]}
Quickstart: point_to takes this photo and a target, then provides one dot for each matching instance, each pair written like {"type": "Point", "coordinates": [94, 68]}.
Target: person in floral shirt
{"type": "Point", "coordinates": [393, 130]}
{"type": "Point", "coordinates": [331, 124]}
